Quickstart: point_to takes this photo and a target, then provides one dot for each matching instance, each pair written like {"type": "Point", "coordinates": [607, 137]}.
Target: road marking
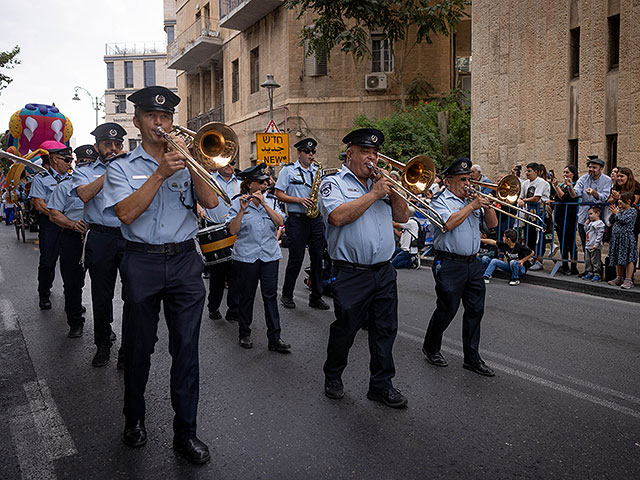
{"type": "Point", "coordinates": [1, 275]}
{"type": "Point", "coordinates": [541, 381]}
{"type": "Point", "coordinates": [8, 315]}
{"type": "Point", "coordinates": [32, 458]}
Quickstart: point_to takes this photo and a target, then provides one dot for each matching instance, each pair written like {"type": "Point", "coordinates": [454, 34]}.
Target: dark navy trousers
{"type": "Point", "coordinates": [49, 240]}
{"type": "Point", "coordinates": [151, 280]}
{"type": "Point", "coordinates": [221, 274]}
{"type": "Point", "coordinates": [72, 275]}
{"type": "Point", "coordinates": [360, 295]}
{"type": "Point", "coordinates": [302, 231]}
{"type": "Point", "coordinates": [103, 255]}
{"type": "Point", "coordinates": [457, 280]}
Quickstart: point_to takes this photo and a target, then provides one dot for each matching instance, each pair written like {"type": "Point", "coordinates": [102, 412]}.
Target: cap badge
{"type": "Point", "coordinates": [464, 165]}
{"type": "Point", "coordinates": [309, 144]}
{"type": "Point", "coordinates": [160, 99]}
{"type": "Point", "coordinates": [374, 138]}
{"type": "Point", "coordinates": [113, 132]}
{"type": "Point", "coordinates": [89, 151]}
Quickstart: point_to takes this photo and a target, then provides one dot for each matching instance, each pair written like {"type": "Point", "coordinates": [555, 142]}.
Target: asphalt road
{"type": "Point", "coordinates": [565, 402]}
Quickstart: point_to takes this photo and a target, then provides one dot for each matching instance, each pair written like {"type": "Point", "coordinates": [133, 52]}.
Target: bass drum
{"type": "Point", "coordinates": [216, 244]}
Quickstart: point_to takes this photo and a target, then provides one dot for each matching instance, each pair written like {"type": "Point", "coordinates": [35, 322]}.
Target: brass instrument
{"type": "Point", "coordinates": [416, 177]}
{"type": "Point", "coordinates": [215, 145]}
{"type": "Point", "coordinates": [507, 194]}
{"type": "Point", "coordinates": [314, 211]}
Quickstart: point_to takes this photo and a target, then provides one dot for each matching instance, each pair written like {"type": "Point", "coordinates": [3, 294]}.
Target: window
{"type": "Point", "coordinates": [170, 34]}
{"type": "Point", "coordinates": [110, 79]}
{"type": "Point", "coordinates": [573, 152]}
{"type": "Point", "coordinates": [133, 143]}
{"type": "Point", "coordinates": [612, 152]}
{"type": "Point", "coordinates": [235, 81]}
{"type": "Point", "coordinates": [315, 64]}
{"type": "Point", "coordinates": [574, 52]}
{"type": "Point", "coordinates": [255, 69]}
{"type": "Point", "coordinates": [149, 73]}
{"type": "Point", "coordinates": [121, 105]}
{"type": "Point", "coordinates": [614, 41]}
{"type": "Point", "coordinates": [381, 56]}
{"type": "Point", "coordinates": [128, 74]}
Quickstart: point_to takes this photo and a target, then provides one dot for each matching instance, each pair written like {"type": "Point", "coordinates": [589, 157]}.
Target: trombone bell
{"type": "Point", "coordinates": [215, 145]}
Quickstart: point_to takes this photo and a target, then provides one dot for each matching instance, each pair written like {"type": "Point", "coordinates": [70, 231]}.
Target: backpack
{"type": "Point", "coordinates": [419, 241]}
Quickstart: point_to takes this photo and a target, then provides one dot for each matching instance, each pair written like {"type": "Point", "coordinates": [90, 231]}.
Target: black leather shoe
{"type": "Point", "coordinates": [75, 332]}
{"type": "Point", "coordinates": [45, 303]}
{"type": "Point", "coordinates": [192, 449]}
{"type": "Point", "coordinates": [215, 315]}
{"type": "Point", "coordinates": [319, 304]}
{"type": "Point", "coordinates": [435, 358]}
{"type": "Point", "coordinates": [120, 364]}
{"type": "Point", "coordinates": [246, 342]}
{"type": "Point", "coordinates": [279, 346]}
{"type": "Point", "coordinates": [112, 336]}
{"type": "Point", "coordinates": [101, 358]}
{"type": "Point", "coordinates": [480, 369]}
{"type": "Point", "coordinates": [391, 397]}
{"type": "Point", "coordinates": [135, 433]}
{"type": "Point", "coordinates": [333, 389]}
{"type": "Point", "coordinates": [287, 302]}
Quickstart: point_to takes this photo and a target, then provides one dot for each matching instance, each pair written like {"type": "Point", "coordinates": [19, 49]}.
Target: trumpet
{"type": "Point", "coordinates": [214, 144]}
{"type": "Point", "coordinates": [416, 177]}
{"type": "Point", "coordinates": [507, 193]}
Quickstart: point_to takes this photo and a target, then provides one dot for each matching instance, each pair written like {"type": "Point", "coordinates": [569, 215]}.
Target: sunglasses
{"type": "Point", "coordinates": [464, 179]}
{"type": "Point", "coordinates": [308, 151]}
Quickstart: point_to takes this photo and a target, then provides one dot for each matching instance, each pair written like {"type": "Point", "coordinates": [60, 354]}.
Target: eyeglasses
{"type": "Point", "coordinates": [464, 179]}
{"type": "Point", "coordinates": [263, 181]}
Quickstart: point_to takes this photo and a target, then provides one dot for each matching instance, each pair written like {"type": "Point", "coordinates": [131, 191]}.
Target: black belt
{"type": "Point", "coordinates": [165, 249]}
{"type": "Point", "coordinates": [358, 266]}
{"type": "Point", "coordinates": [68, 231]}
{"type": "Point", "coordinates": [297, 214]}
{"type": "Point", "coordinates": [96, 227]}
{"type": "Point", "coordinates": [439, 255]}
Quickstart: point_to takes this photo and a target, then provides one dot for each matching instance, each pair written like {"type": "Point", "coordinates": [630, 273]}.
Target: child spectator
{"type": "Point", "coordinates": [594, 229]}
{"type": "Point", "coordinates": [623, 251]}
{"type": "Point", "coordinates": [488, 250]}
{"type": "Point", "coordinates": [517, 257]}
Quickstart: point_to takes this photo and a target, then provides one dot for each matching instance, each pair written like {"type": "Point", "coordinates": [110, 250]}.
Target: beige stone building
{"type": "Point", "coordinates": [131, 67]}
{"type": "Point", "coordinates": [224, 49]}
{"type": "Point", "coordinates": [554, 81]}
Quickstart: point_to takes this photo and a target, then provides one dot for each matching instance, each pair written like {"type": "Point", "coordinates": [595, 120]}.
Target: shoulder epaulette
{"type": "Point", "coordinates": [43, 174]}
{"type": "Point", "coordinates": [236, 196]}
{"type": "Point", "coordinates": [83, 164]}
{"type": "Point", "coordinates": [290, 164]}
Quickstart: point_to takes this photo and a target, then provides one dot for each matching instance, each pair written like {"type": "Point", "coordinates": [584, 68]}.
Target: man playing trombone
{"type": "Point", "coordinates": [457, 271]}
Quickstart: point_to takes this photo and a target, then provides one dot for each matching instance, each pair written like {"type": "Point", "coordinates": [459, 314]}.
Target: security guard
{"type": "Point", "coordinates": [154, 196]}
{"type": "Point", "coordinates": [293, 188]}
{"type": "Point", "coordinates": [221, 273]}
{"type": "Point", "coordinates": [255, 217]}
{"type": "Point", "coordinates": [358, 213]}
{"type": "Point", "coordinates": [457, 269]}
{"type": "Point", "coordinates": [58, 158]}
{"type": "Point", "coordinates": [66, 210]}
{"type": "Point", "coordinates": [85, 154]}
{"type": "Point", "coordinates": [104, 244]}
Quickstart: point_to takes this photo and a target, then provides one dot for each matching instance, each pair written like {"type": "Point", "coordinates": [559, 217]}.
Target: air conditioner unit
{"type": "Point", "coordinates": [375, 82]}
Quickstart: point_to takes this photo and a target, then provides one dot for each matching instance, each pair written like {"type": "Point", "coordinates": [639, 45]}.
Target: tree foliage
{"type": "Point", "coordinates": [8, 59]}
{"type": "Point", "coordinates": [416, 131]}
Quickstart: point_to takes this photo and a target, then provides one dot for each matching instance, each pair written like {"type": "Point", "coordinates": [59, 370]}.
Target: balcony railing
{"type": "Point", "coordinates": [213, 115]}
{"type": "Point", "coordinates": [241, 14]}
{"type": "Point", "coordinates": [196, 45]}
{"type": "Point", "coordinates": [144, 48]}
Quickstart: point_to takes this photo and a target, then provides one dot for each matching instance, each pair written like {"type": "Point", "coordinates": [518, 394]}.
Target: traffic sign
{"type": "Point", "coordinates": [272, 128]}
{"type": "Point", "coordinates": [273, 148]}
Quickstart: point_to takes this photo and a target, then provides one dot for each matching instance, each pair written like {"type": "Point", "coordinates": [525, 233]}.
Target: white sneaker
{"type": "Point", "coordinates": [513, 283]}
{"type": "Point", "coordinates": [536, 266]}
{"type": "Point", "coordinates": [487, 280]}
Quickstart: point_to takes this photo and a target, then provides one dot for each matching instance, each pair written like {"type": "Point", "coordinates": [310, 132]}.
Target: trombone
{"type": "Point", "coordinates": [215, 145]}
{"type": "Point", "coordinates": [416, 177]}
{"type": "Point", "coordinates": [507, 193]}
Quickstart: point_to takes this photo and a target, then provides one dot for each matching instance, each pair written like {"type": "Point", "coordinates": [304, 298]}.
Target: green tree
{"type": "Point", "coordinates": [8, 60]}
{"type": "Point", "coordinates": [405, 23]}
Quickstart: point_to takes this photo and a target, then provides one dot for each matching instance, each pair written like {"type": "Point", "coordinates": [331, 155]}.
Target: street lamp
{"type": "Point", "coordinates": [270, 84]}
{"type": "Point", "coordinates": [96, 102]}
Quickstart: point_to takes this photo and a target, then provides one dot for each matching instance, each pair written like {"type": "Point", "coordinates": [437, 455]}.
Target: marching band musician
{"type": "Point", "coordinates": [85, 154]}
{"type": "Point", "coordinates": [154, 196]}
{"type": "Point", "coordinates": [293, 187]}
{"type": "Point", "coordinates": [104, 246]}
{"type": "Point", "coordinates": [58, 159]}
{"type": "Point", "coordinates": [255, 217]}
{"type": "Point", "coordinates": [457, 271]}
{"type": "Point", "coordinates": [66, 211]}
{"type": "Point", "coordinates": [358, 213]}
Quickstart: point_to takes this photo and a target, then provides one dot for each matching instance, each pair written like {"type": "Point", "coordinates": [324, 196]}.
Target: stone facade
{"type": "Point", "coordinates": [527, 102]}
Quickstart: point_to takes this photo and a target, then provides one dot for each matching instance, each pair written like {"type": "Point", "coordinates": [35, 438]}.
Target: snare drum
{"type": "Point", "coordinates": [215, 244]}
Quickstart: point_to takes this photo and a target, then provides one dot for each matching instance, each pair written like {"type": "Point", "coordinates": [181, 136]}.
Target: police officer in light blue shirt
{"type": "Point", "coordinates": [105, 244]}
{"type": "Point", "coordinates": [457, 271]}
{"type": "Point", "coordinates": [58, 160]}
{"type": "Point", "coordinates": [255, 217]}
{"type": "Point", "coordinates": [358, 212]}
{"type": "Point", "coordinates": [66, 210]}
{"type": "Point", "coordinates": [154, 195]}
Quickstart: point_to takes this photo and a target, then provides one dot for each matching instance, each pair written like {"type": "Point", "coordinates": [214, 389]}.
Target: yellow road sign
{"type": "Point", "coordinates": [273, 148]}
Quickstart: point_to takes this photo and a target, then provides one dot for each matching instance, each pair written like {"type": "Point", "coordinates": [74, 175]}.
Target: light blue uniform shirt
{"type": "Point", "coordinates": [66, 200]}
{"type": "Point", "coordinates": [367, 240]}
{"type": "Point", "coordinates": [93, 209]}
{"type": "Point", "coordinates": [166, 220]}
{"type": "Point", "coordinates": [295, 181]}
{"type": "Point", "coordinates": [602, 185]}
{"type": "Point", "coordinates": [44, 183]}
{"type": "Point", "coordinates": [465, 238]}
{"type": "Point", "coordinates": [220, 213]}
{"type": "Point", "coordinates": [257, 235]}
